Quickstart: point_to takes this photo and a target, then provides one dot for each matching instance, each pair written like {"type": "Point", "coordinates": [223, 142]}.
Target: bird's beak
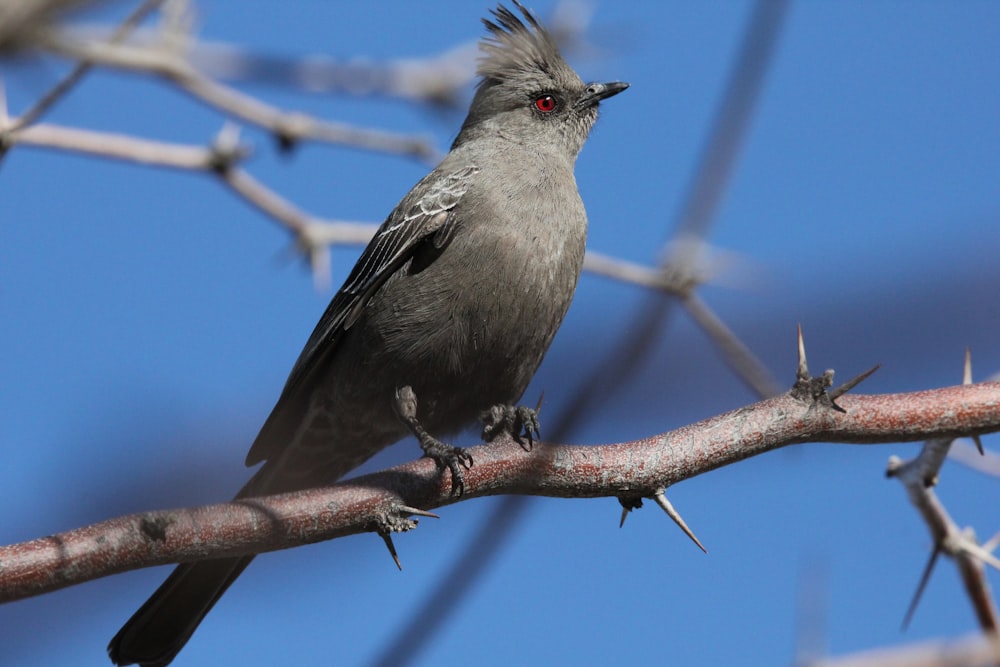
{"type": "Point", "coordinates": [596, 92]}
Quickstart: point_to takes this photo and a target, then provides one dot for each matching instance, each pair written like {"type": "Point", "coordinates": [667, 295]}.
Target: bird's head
{"type": "Point", "coordinates": [528, 93]}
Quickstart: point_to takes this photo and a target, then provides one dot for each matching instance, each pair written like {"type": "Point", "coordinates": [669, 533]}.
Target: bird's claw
{"type": "Point", "coordinates": [444, 455]}
{"type": "Point", "coordinates": [448, 456]}
{"type": "Point", "coordinates": [520, 422]}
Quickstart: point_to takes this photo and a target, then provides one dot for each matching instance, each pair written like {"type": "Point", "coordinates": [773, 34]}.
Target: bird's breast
{"type": "Point", "coordinates": [484, 312]}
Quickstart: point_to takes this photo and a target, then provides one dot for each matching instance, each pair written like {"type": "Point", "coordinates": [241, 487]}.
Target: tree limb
{"type": "Point", "coordinates": [378, 502]}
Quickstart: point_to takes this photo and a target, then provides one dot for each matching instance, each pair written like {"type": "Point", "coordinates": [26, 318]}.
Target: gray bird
{"type": "Point", "coordinates": [454, 301]}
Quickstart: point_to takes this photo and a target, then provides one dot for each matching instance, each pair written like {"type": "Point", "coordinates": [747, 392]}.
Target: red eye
{"type": "Point", "coordinates": [546, 104]}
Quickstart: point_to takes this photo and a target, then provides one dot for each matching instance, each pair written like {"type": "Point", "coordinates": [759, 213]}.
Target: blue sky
{"type": "Point", "coordinates": [151, 318]}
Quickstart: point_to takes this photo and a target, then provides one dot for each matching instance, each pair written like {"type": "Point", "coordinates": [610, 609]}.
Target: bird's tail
{"type": "Point", "coordinates": [158, 631]}
{"type": "Point", "coordinates": [161, 627]}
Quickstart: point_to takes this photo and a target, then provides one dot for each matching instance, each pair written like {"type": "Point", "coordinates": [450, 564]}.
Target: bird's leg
{"type": "Point", "coordinates": [443, 454]}
{"type": "Point", "coordinates": [519, 422]}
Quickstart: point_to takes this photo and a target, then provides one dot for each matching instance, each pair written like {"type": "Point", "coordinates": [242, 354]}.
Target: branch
{"type": "Point", "coordinates": [314, 235]}
{"type": "Point", "coordinates": [288, 127]}
{"type": "Point", "coordinates": [963, 651]}
{"type": "Point", "coordinates": [80, 70]}
{"type": "Point", "coordinates": [221, 159]}
{"type": "Point", "coordinates": [918, 476]}
{"type": "Point", "coordinates": [378, 502]}
{"type": "Point", "coordinates": [439, 80]}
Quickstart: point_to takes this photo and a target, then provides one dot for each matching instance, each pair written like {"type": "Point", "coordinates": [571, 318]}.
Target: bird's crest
{"type": "Point", "coordinates": [514, 47]}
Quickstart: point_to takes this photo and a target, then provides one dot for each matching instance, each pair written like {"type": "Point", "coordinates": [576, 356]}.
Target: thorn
{"type": "Point", "coordinates": [991, 544]}
{"type": "Point", "coordinates": [319, 262]}
{"type": "Point", "coordinates": [4, 116]}
{"type": "Point", "coordinates": [414, 511]}
{"type": "Point", "coordinates": [895, 465]}
{"type": "Point", "coordinates": [629, 502]}
{"type": "Point", "coordinates": [5, 123]}
{"type": "Point", "coordinates": [661, 500]}
{"type": "Point", "coordinates": [967, 379]}
{"type": "Point", "coordinates": [803, 370]}
{"type": "Point", "coordinates": [392, 549]}
{"type": "Point", "coordinates": [970, 548]}
{"type": "Point", "coordinates": [228, 138]}
{"type": "Point", "coordinates": [924, 578]}
{"type": "Point", "coordinates": [852, 383]}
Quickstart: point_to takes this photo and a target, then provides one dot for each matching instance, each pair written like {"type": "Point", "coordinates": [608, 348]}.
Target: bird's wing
{"type": "Point", "coordinates": [426, 214]}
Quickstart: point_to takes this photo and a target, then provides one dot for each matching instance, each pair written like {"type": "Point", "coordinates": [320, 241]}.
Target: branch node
{"type": "Point", "coordinates": [629, 502]}
{"type": "Point", "coordinates": [226, 150]}
{"type": "Point", "coordinates": [813, 390]}
{"type": "Point", "coordinates": [286, 143]}
{"type": "Point", "coordinates": [154, 527]}
{"type": "Point", "coordinates": [894, 466]}
{"type": "Point", "coordinates": [394, 521]}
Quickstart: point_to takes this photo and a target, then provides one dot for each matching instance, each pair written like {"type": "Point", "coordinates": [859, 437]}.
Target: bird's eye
{"type": "Point", "coordinates": [546, 104]}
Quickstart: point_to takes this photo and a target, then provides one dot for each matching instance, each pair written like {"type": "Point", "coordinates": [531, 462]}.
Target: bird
{"type": "Point", "coordinates": [443, 320]}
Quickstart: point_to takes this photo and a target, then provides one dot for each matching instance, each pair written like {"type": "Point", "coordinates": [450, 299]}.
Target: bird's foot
{"type": "Point", "coordinates": [520, 422]}
{"type": "Point", "coordinates": [447, 456]}
{"type": "Point", "coordinates": [444, 455]}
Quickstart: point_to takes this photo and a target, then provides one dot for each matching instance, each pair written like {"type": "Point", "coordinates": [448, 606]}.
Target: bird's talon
{"type": "Point", "coordinates": [520, 422]}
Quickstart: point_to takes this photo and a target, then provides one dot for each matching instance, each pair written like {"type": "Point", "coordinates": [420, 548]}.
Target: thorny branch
{"type": "Point", "coordinates": [918, 477]}
{"type": "Point", "coordinates": [365, 504]}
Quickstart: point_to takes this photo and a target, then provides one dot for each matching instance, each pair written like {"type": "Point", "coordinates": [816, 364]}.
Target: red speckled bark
{"type": "Point", "coordinates": [368, 503]}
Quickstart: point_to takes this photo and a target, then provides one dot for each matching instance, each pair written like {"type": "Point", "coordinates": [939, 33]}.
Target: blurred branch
{"type": "Point", "coordinates": [918, 476]}
{"type": "Point", "coordinates": [683, 256]}
{"type": "Point", "coordinates": [313, 235]}
{"type": "Point", "coordinates": [440, 80]}
{"type": "Point", "coordinates": [77, 73]}
{"type": "Point", "coordinates": [987, 463]}
{"type": "Point", "coordinates": [288, 127]}
{"type": "Point", "coordinates": [22, 20]}
{"type": "Point", "coordinates": [221, 159]}
{"type": "Point", "coordinates": [376, 502]}
{"type": "Point", "coordinates": [110, 145]}
{"type": "Point", "coordinates": [743, 362]}
{"type": "Point", "coordinates": [969, 651]}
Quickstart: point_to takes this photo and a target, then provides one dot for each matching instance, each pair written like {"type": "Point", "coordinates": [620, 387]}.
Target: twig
{"type": "Point", "coordinates": [743, 362]}
{"type": "Point", "coordinates": [288, 127]}
{"type": "Point", "coordinates": [313, 235]}
{"type": "Point", "coordinates": [81, 68]}
{"type": "Point", "coordinates": [114, 146]}
{"type": "Point", "coordinates": [437, 80]}
{"type": "Point", "coordinates": [918, 476]}
{"type": "Point", "coordinates": [968, 651]}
